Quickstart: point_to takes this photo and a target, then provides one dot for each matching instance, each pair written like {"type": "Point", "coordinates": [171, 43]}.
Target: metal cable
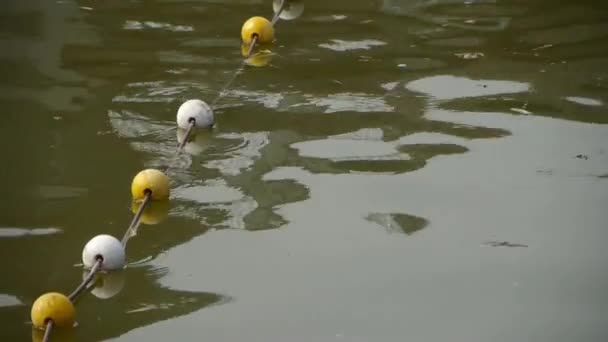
{"type": "Point", "coordinates": [96, 267]}
{"type": "Point", "coordinates": [191, 124]}
{"type": "Point", "coordinates": [131, 231]}
{"type": "Point", "coordinates": [48, 330]}
{"type": "Point", "coordinates": [278, 13]}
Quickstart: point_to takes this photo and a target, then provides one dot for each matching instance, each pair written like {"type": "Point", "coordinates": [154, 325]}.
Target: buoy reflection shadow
{"type": "Point", "coordinates": [123, 305]}
{"type": "Point", "coordinates": [154, 213]}
{"type": "Point", "coordinates": [260, 56]}
{"type": "Point", "coordinates": [106, 284]}
{"type": "Point", "coordinates": [57, 335]}
{"type": "Point", "coordinates": [293, 9]}
{"type": "Point", "coordinates": [197, 142]}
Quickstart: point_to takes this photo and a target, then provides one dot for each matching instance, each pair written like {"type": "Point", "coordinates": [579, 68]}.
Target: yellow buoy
{"type": "Point", "coordinates": [150, 180]}
{"type": "Point", "coordinates": [53, 306]}
{"type": "Point", "coordinates": [154, 213]}
{"type": "Point", "coordinates": [260, 27]}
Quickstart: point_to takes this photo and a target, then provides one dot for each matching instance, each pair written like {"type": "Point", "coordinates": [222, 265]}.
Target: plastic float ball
{"type": "Point", "coordinates": [107, 285]}
{"type": "Point", "coordinates": [109, 248]}
{"type": "Point", "coordinates": [196, 110]}
{"type": "Point", "coordinates": [154, 213]}
{"type": "Point", "coordinates": [53, 306]}
{"type": "Point", "coordinates": [260, 27]}
{"type": "Point", "coordinates": [150, 180]}
{"type": "Point", "coordinates": [258, 59]}
{"type": "Point", "coordinates": [293, 9]}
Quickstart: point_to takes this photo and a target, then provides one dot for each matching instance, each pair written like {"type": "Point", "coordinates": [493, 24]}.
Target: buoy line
{"type": "Point", "coordinates": [54, 310]}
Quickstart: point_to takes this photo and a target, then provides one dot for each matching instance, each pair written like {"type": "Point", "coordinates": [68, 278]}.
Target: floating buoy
{"type": "Point", "coordinates": [107, 247]}
{"type": "Point", "coordinates": [107, 285]}
{"type": "Point", "coordinates": [260, 27]}
{"type": "Point", "coordinates": [154, 213]}
{"type": "Point", "coordinates": [153, 181]}
{"type": "Point", "coordinates": [197, 111]}
{"type": "Point", "coordinates": [293, 9]}
{"type": "Point", "coordinates": [55, 307]}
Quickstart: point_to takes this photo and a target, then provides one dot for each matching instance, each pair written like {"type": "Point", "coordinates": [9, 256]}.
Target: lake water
{"type": "Point", "coordinates": [401, 170]}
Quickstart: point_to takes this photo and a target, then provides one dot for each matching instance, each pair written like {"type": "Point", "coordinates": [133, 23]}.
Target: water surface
{"type": "Point", "coordinates": [400, 170]}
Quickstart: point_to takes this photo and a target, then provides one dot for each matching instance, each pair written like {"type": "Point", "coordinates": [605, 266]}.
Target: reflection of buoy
{"type": "Point", "coordinates": [109, 248]}
{"type": "Point", "coordinates": [197, 142]}
{"type": "Point", "coordinates": [154, 213]}
{"type": "Point", "coordinates": [260, 27]}
{"type": "Point", "coordinates": [58, 335]}
{"type": "Point", "coordinates": [259, 58]}
{"type": "Point", "coordinates": [150, 180]}
{"type": "Point", "coordinates": [107, 285]}
{"type": "Point", "coordinates": [53, 306]}
{"type": "Point", "coordinates": [196, 110]}
{"type": "Point", "coordinates": [293, 9]}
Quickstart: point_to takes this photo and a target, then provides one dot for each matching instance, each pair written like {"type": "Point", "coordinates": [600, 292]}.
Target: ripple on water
{"type": "Point", "coordinates": [267, 99]}
{"type": "Point", "coordinates": [342, 154]}
{"type": "Point", "coordinates": [431, 12]}
{"type": "Point", "coordinates": [369, 134]}
{"type": "Point", "coordinates": [447, 87]}
{"type": "Point", "coordinates": [457, 42]}
{"type": "Point", "coordinates": [329, 18]}
{"type": "Point", "coordinates": [584, 101]}
{"type": "Point", "coordinates": [343, 149]}
{"type": "Point", "coordinates": [398, 223]}
{"type": "Point", "coordinates": [204, 194]}
{"type": "Point", "coordinates": [20, 232]}
{"type": "Point", "coordinates": [158, 91]}
{"type": "Point", "coordinates": [349, 45]}
{"type": "Point", "coordinates": [128, 124]}
{"type": "Point", "coordinates": [239, 158]}
{"type": "Point", "coordinates": [8, 300]}
{"type": "Point", "coordinates": [144, 25]}
{"type": "Point", "coordinates": [348, 102]}
{"type": "Point", "coordinates": [419, 63]}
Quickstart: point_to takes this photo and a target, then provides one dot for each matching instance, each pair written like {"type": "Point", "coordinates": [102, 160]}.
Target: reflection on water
{"type": "Point", "coordinates": [453, 122]}
{"type": "Point", "coordinates": [396, 222]}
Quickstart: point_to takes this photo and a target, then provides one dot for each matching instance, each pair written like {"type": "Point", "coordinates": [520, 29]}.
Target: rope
{"type": "Point", "coordinates": [278, 13]}
{"type": "Point", "coordinates": [47, 331]}
{"type": "Point", "coordinates": [188, 131]}
{"type": "Point", "coordinates": [131, 231]}
{"type": "Point", "coordinates": [96, 267]}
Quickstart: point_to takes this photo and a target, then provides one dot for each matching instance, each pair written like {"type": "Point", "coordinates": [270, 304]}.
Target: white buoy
{"type": "Point", "coordinates": [292, 10]}
{"type": "Point", "coordinates": [109, 248]}
{"type": "Point", "coordinates": [107, 285]}
{"type": "Point", "coordinates": [196, 110]}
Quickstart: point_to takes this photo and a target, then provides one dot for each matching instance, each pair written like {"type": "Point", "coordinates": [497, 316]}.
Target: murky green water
{"type": "Point", "coordinates": [403, 170]}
